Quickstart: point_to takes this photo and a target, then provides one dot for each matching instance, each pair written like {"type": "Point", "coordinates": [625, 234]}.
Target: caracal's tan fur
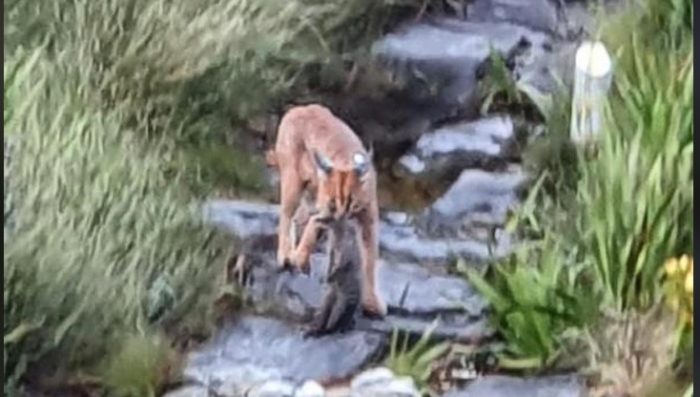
{"type": "Point", "coordinates": [316, 152]}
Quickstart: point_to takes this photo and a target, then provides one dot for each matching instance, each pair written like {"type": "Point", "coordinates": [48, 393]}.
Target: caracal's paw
{"type": "Point", "coordinates": [300, 261]}
{"type": "Point", "coordinates": [373, 307]}
{"type": "Point", "coordinates": [284, 261]}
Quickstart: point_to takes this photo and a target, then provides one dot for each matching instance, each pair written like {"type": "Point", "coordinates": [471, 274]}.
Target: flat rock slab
{"type": "Point", "coordinates": [439, 59]}
{"type": "Point", "coordinates": [255, 350]}
{"type": "Point", "coordinates": [477, 197]}
{"type": "Point", "coordinates": [454, 147]}
{"type": "Point", "coordinates": [540, 15]}
{"type": "Point", "coordinates": [452, 327]}
{"type": "Point", "coordinates": [400, 242]}
{"type": "Point", "coordinates": [505, 386]}
{"type": "Point", "coordinates": [453, 39]}
{"type": "Point", "coordinates": [415, 297]}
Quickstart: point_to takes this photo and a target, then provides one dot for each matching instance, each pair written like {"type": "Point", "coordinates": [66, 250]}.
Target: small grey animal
{"type": "Point", "coordinates": [343, 288]}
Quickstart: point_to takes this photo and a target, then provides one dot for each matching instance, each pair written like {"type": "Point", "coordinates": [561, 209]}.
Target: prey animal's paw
{"type": "Point", "coordinates": [239, 270]}
{"type": "Point", "coordinates": [312, 332]}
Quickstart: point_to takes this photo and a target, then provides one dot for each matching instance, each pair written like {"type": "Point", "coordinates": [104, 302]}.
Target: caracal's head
{"type": "Point", "coordinates": [340, 188]}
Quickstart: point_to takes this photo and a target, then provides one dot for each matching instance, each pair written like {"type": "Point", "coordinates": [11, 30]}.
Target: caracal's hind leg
{"type": "Point", "coordinates": [372, 304]}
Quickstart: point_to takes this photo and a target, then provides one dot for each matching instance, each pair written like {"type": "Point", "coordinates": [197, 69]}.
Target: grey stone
{"type": "Point", "coordinates": [452, 148]}
{"type": "Point", "coordinates": [439, 59]}
{"type": "Point", "coordinates": [273, 388]}
{"type": "Point", "coordinates": [414, 294]}
{"type": "Point", "coordinates": [310, 388]}
{"type": "Point", "coordinates": [454, 327]}
{"type": "Point", "coordinates": [477, 198]}
{"type": "Point", "coordinates": [396, 218]}
{"type": "Point", "coordinates": [452, 39]}
{"type": "Point", "coordinates": [415, 297]}
{"type": "Point", "coordinates": [402, 387]}
{"type": "Point", "coordinates": [381, 382]}
{"type": "Point", "coordinates": [539, 15]}
{"type": "Point", "coordinates": [254, 350]}
{"type": "Point", "coordinates": [398, 242]}
{"type": "Point", "coordinates": [242, 218]}
{"type": "Point", "coordinates": [416, 290]}
{"type": "Point", "coordinates": [372, 376]}
{"type": "Point", "coordinates": [411, 244]}
{"type": "Point", "coordinates": [505, 386]}
{"type": "Point", "coordinates": [189, 391]}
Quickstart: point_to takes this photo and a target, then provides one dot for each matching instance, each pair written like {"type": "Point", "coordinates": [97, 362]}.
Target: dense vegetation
{"type": "Point", "coordinates": [590, 290]}
{"type": "Point", "coordinates": [118, 115]}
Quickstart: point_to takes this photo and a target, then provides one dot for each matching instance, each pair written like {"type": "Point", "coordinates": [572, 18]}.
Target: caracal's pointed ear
{"type": "Point", "coordinates": [361, 164]}
{"type": "Point", "coordinates": [324, 166]}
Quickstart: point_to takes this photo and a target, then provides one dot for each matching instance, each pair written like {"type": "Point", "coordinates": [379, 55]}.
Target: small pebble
{"type": "Point", "coordinates": [310, 388]}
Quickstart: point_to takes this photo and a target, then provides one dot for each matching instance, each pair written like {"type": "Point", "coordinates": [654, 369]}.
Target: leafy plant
{"type": "Point", "coordinates": [500, 87]}
{"type": "Point", "coordinates": [611, 221]}
{"type": "Point", "coordinates": [498, 82]}
{"type": "Point", "coordinates": [417, 360]}
{"type": "Point", "coordinates": [638, 194]}
{"type": "Point", "coordinates": [536, 295]}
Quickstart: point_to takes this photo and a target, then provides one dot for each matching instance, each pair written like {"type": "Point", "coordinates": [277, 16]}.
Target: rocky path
{"type": "Point", "coordinates": [264, 354]}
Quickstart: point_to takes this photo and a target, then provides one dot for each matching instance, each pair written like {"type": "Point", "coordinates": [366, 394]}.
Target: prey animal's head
{"type": "Point", "coordinates": [341, 189]}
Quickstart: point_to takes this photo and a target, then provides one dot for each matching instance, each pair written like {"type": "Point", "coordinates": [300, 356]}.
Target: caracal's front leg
{"type": "Point", "coordinates": [290, 196]}
{"type": "Point", "coordinates": [302, 253]}
{"type": "Point", "coordinates": [372, 303]}
{"type": "Point", "coordinates": [300, 219]}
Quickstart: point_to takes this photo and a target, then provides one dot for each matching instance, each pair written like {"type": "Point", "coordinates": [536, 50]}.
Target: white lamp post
{"type": "Point", "coordinates": [592, 80]}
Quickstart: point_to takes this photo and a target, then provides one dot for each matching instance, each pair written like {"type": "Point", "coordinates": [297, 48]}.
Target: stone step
{"type": "Point", "coordinates": [483, 144]}
{"type": "Point", "coordinates": [254, 350]}
{"type": "Point", "coordinates": [477, 199]}
{"type": "Point", "coordinates": [539, 15]}
{"type": "Point", "coordinates": [414, 295]}
{"type": "Point", "coordinates": [438, 60]}
{"type": "Point", "coordinates": [402, 242]}
{"type": "Point", "coordinates": [506, 386]}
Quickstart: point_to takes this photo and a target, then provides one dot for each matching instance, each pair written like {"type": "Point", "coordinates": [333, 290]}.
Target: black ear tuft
{"type": "Point", "coordinates": [323, 163]}
{"type": "Point", "coordinates": [360, 163]}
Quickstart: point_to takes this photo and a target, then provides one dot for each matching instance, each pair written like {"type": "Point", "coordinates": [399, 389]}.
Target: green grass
{"type": "Point", "coordinates": [195, 73]}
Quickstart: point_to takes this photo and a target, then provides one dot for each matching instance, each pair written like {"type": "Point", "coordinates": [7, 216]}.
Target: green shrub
{"type": "Point", "coordinates": [536, 296]}
{"type": "Point", "coordinates": [636, 198]}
